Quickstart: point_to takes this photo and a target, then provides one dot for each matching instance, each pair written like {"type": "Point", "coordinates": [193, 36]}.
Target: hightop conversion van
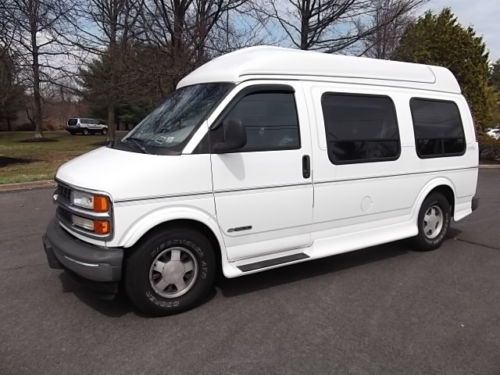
{"type": "Point", "coordinates": [262, 158]}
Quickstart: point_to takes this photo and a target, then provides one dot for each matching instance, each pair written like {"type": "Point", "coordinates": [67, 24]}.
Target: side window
{"type": "Point", "coordinates": [438, 128]}
{"type": "Point", "coordinates": [270, 120]}
{"type": "Point", "coordinates": [360, 128]}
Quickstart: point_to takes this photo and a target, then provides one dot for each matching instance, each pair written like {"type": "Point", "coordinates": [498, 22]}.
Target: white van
{"type": "Point", "coordinates": [262, 158]}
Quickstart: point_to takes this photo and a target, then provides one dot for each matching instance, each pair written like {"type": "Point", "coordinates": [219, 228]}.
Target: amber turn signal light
{"type": "Point", "coordinates": [101, 203]}
{"type": "Point", "coordinates": [102, 227]}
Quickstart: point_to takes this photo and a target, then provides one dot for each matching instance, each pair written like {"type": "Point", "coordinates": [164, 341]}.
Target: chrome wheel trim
{"type": "Point", "coordinates": [173, 272]}
{"type": "Point", "coordinates": [433, 222]}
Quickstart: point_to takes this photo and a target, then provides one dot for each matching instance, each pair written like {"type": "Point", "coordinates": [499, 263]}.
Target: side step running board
{"type": "Point", "coordinates": [272, 262]}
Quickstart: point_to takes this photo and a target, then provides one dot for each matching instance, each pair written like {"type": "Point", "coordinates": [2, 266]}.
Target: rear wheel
{"type": "Point", "coordinates": [170, 271]}
{"type": "Point", "coordinates": [433, 222]}
{"type": "Point", "coordinates": [86, 132]}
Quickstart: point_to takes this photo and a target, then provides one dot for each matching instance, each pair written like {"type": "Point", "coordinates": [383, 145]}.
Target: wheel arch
{"type": "Point", "coordinates": [449, 194]}
{"type": "Point", "coordinates": [185, 217]}
{"type": "Point", "coordinates": [441, 185]}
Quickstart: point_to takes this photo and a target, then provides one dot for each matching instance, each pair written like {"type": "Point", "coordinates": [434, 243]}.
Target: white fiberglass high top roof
{"type": "Point", "coordinates": [265, 62]}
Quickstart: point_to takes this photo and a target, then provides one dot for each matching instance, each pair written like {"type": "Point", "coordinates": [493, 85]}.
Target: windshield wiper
{"type": "Point", "coordinates": [138, 143]}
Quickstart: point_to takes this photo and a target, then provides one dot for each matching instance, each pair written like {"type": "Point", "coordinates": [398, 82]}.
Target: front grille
{"type": "Point", "coordinates": [64, 215]}
{"type": "Point", "coordinates": [64, 193]}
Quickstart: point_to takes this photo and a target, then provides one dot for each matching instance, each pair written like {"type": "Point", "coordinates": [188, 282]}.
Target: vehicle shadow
{"type": "Point", "coordinates": [306, 270]}
{"type": "Point", "coordinates": [453, 232]}
{"type": "Point", "coordinates": [120, 306]}
{"type": "Point", "coordinates": [302, 271]}
{"type": "Point", "coordinates": [111, 306]}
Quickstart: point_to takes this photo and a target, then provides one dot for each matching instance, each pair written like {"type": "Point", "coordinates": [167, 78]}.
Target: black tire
{"type": "Point", "coordinates": [427, 239]}
{"type": "Point", "coordinates": [85, 132]}
{"type": "Point", "coordinates": [104, 131]}
{"type": "Point", "coordinates": [139, 266]}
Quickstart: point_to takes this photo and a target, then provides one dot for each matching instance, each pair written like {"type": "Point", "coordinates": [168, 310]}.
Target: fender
{"type": "Point", "coordinates": [429, 186]}
{"type": "Point", "coordinates": [166, 214]}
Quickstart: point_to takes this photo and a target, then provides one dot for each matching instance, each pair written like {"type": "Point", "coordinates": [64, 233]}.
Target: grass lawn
{"type": "Point", "coordinates": [22, 161]}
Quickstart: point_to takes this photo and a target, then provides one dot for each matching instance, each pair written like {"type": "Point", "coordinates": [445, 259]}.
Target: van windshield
{"type": "Point", "coordinates": [169, 127]}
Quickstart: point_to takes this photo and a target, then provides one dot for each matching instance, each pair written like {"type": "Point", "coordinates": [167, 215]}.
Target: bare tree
{"type": "Point", "coordinates": [244, 25]}
{"type": "Point", "coordinates": [183, 29]}
{"type": "Point", "coordinates": [166, 28]}
{"type": "Point", "coordinates": [34, 25]}
{"type": "Point", "coordinates": [328, 25]}
{"type": "Point", "coordinates": [389, 20]}
{"type": "Point", "coordinates": [210, 15]}
{"type": "Point", "coordinates": [11, 91]}
{"type": "Point", "coordinates": [6, 29]}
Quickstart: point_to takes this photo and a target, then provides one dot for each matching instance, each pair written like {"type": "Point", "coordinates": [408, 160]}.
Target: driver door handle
{"type": "Point", "coordinates": [306, 166]}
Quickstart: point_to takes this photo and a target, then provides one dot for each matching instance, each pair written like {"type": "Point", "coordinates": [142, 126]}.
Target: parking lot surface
{"type": "Point", "coordinates": [381, 310]}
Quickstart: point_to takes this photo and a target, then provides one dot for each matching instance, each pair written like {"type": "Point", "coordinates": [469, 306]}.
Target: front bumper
{"type": "Point", "coordinates": [87, 261]}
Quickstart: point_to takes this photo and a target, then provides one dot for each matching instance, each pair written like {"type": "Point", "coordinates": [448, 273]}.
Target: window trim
{"type": "Point", "coordinates": [441, 155]}
{"type": "Point", "coordinates": [249, 90]}
{"type": "Point", "coordinates": [359, 161]}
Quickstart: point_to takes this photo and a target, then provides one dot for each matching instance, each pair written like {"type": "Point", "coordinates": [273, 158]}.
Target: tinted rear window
{"type": "Point", "coordinates": [438, 128]}
{"type": "Point", "coordinates": [360, 128]}
{"type": "Point", "coordinates": [72, 121]}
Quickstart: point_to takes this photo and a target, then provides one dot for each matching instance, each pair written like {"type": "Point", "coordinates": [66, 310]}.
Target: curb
{"type": "Point", "coordinates": [489, 166]}
{"type": "Point", "coordinates": [27, 186]}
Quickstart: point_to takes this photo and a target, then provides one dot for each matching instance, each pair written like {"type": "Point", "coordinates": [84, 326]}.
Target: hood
{"type": "Point", "coordinates": [129, 175]}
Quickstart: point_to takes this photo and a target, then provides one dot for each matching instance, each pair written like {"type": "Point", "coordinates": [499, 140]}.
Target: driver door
{"type": "Point", "coordinates": [263, 192]}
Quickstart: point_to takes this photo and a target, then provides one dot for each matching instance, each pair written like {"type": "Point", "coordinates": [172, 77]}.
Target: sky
{"type": "Point", "coordinates": [482, 15]}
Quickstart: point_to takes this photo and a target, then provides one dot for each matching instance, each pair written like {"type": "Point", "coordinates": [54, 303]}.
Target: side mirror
{"type": "Point", "coordinates": [235, 137]}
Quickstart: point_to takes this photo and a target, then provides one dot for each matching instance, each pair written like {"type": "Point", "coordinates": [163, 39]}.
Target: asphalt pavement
{"type": "Point", "coordinates": [381, 310]}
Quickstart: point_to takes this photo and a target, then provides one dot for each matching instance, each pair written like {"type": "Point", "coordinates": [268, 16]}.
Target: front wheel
{"type": "Point", "coordinates": [170, 271]}
{"type": "Point", "coordinates": [433, 222]}
{"type": "Point", "coordinates": [104, 131]}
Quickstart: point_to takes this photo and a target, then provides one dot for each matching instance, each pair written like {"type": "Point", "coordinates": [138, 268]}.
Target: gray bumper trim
{"type": "Point", "coordinates": [88, 261]}
{"type": "Point", "coordinates": [475, 203]}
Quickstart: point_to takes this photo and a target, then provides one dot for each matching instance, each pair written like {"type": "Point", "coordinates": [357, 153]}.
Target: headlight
{"type": "Point", "coordinates": [81, 199]}
{"type": "Point", "coordinates": [89, 201]}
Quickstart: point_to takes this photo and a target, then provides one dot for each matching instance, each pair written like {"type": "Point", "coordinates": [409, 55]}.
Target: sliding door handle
{"type": "Point", "coordinates": [306, 166]}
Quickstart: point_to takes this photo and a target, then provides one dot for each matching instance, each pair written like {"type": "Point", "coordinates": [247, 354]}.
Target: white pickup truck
{"type": "Point", "coordinates": [86, 126]}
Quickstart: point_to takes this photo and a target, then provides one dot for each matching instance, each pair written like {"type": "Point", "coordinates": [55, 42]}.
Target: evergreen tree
{"type": "Point", "coordinates": [495, 75]}
{"type": "Point", "coordinates": [439, 39]}
{"type": "Point", "coordinates": [142, 80]}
